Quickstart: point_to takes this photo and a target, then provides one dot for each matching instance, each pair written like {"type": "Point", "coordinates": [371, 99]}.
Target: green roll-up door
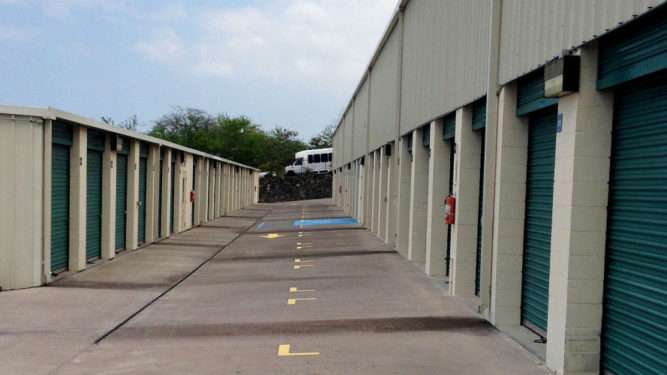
{"type": "Point", "coordinates": [634, 51]}
{"type": "Point", "coordinates": [530, 94]}
{"type": "Point", "coordinates": [172, 195]}
{"type": "Point", "coordinates": [143, 167]}
{"type": "Point", "coordinates": [96, 144]}
{"type": "Point", "coordinates": [537, 232]}
{"type": "Point", "coordinates": [121, 201]}
{"type": "Point", "coordinates": [479, 114]}
{"type": "Point", "coordinates": [449, 123]}
{"type": "Point", "coordinates": [59, 207]}
{"type": "Point", "coordinates": [94, 205]}
{"type": "Point", "coordinates": [635, 309]}
{"type": "Point", "coordinates": [480, 212]}
{"type": "Point", "coordinates": [479, 124]}
{"type": "Point", "coordinates": [452, 155]}
{"type": "Point", "coordinates": [159, 192]}
{"type": "Point", "coordinates": [194, 179]}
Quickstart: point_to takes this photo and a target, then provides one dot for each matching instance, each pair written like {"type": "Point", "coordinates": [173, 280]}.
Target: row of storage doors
{"type": "Point", "coordinates": [60, 196]}
{"type": "Point", "coordinates": [635, 296]}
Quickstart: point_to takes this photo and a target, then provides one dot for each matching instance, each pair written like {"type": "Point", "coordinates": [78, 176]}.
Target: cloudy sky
{"type": "Point", "coordinates": [292, 63]}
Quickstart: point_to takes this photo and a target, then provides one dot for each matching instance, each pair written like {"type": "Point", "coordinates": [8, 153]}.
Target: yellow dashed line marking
{"type": "Point", "coordinates": [297, 260]}
{"type": "Point", "coordinates": [284, 351]}
{"type": "Point", "coordinates": [297, 290]}
{"type": "Point", "coordinates": [298, 267]}
{"type": "Point", "coordinates": [293, 301]}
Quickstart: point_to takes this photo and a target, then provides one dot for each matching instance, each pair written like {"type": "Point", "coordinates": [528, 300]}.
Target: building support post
{"type": "Point", "coordinates": [132, 208]}
{"type": "Point", "coordinates": [109, 201]}
{"type": "Point", "coordinates": [166, 192]}
{"type": "Point", "coordinates": [581, 181]}
{"type": "Point", "coordinates": [78, 176]}
{"type": "Point", "coordinates": [509, 211]}
{"type": "Point", "coordinates": [152, 186]}
{"type": "Point", "coordinates": [418, 200]}
{"type": "Point", "coordinates": [464, 231]}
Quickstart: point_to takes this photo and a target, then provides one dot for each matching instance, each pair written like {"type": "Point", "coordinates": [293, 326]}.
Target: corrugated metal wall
{"type": "Point", "coordinates": [359, 142]}
{"type": "Point", "coordinates": [384, 93]}
{"type": "Point", "coordinates": [445, 58]}
{"type": "Point", "coordinates": [536, 31]}
{"type": "Point", "coordinates": [336, 146]}
{"type": "Point", "coordinates": [348, 135]}
{"type": "Point", "coordinates": [21, 163]}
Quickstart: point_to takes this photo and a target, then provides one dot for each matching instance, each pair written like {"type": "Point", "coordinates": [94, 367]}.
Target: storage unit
{"type": "Point", "coordinates": [94, 160]}
{"type": "Point", "coordinates": [60, 176]}
{"type": "Point", "coordinates": [537, 232]}
{"type": "Point", "coordinates": [635, 309]}
{"type": "Point", "coordinates": [143, 170]}
{"type": "Point", "coordinates": [634, 337]}
{"type": "Point", "coordinates": [69, 193]}
{"type": "Point", "coordinates": [121, 195]}
{"type": "Point", "coordinates": [479, 125]}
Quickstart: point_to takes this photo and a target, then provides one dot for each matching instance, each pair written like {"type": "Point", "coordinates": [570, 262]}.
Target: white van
{"type": "Point", "coordinates": [316, 161]}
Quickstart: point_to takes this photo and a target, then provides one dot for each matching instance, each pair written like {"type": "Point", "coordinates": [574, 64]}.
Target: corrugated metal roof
{"type": "Point", "coordinates": [57, 114]}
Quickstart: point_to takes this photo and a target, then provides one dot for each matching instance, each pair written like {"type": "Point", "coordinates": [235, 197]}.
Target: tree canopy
{"type": "Point", "coordinates": [235, 138]}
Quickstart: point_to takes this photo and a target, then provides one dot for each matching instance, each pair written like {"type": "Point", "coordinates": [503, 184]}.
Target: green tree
{"type": "Point", "coordinates": [283, 144]}
{"type": "Point", "coordinates": [324, 139]}
{"type": "Point", "coordinates": [235, 138]}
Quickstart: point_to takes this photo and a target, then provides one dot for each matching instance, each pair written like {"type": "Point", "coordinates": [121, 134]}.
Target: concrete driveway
{"type": "Point", "coordinates": [327, 299]}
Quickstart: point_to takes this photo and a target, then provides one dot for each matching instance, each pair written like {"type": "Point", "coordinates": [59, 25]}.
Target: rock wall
{"type": "Point", "coordinates": [294, 188]}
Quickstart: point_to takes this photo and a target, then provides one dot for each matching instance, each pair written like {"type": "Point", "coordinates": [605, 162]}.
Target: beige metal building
{"type": "Point", "coordinates": [75, 192]}
{"type": "Point", "coordinates": [560, 233]}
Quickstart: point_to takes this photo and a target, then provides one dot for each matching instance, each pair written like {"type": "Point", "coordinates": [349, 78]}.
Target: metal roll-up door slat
{"type": "Point", "coordinates": [537, 232]}
{"type": "Point", "coordinates": [60, 174]}
{"type": "Point", "coordinates": [635, 307]}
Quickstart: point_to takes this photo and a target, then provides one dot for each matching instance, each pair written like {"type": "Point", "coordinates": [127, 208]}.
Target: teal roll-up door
{"type": "Point", "coordinates": [143, 167]}
{"type": "Point", "coordinates": [121, 201]}
{"type": "Point", "coordinates": [480, 211]}
{"type": "Point", "coordinates": [172, 194]}
{"type": "Point", "coordinates": [634, 51]}
{"type": "Point", "coordinates": [448, 135]}
{"type": "Point", "coordinates": [94, 205]}
{"type": "Point", "coordinates": [59, 206]}
{"type": "Point", "coordinates": [194, 179]}
{"type": "Point", "coordinates": [635, 308]}
{"type": "Point", "coordinates": [94, 163]}
{"type": "Point", "coordinates": [479, 124]}
{"type": "Point", "coordinates": [159, 203]}
{"type": "Point", "coordinates": [530, 94]}
{"type": "Point", "coordinates": [449, 130]}
{"type": "Point", "coordinates": [537, 232]}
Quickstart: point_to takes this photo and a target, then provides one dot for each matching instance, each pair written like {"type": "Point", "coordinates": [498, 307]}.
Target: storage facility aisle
{"type": "Point", "coordinates": [302, 291]}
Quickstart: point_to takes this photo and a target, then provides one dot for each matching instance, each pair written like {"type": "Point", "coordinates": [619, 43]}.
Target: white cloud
{"type": "Point", "coordinates": [163, 46]}
{"type": "Point", "coordinates": [322, 43]}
